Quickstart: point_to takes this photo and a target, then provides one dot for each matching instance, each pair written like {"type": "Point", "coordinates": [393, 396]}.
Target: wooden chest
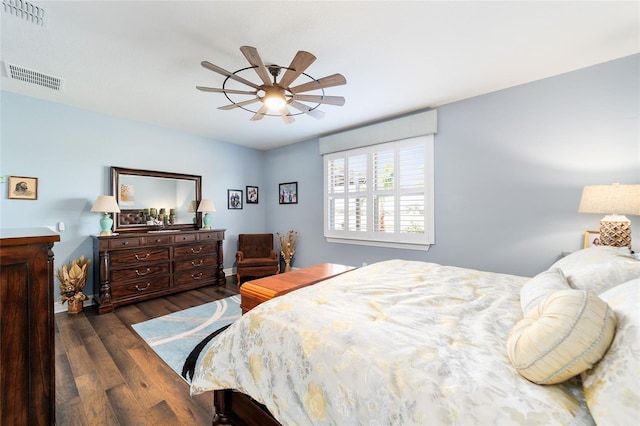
{"type": "Point", "coordinates": [252, 293]}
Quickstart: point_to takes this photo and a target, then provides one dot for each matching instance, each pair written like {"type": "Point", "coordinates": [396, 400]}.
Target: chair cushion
{"type": "Point", "coordinates": [255, 262]}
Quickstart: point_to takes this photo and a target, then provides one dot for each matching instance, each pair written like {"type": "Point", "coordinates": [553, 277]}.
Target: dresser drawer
{"type": "Point", "coordinates": [145, 270]}
{"type": "Point", "coordinates": [157, 240]}
{"type": "Point", "coordinates": [139, 287]}
{"type": "Point", "coordinates": [211, 236]}
{"type": "Point", "coordinates": [124, 243]}
{"type": "Point", "coordinates": [196, 263]}
{"type": "Point", "coordinates": [194, 276]}
{"type": "Point", "coordinates": [133, 257]}
{"type": "Point", "coordinates": [184, 238]}
{"type": "Point", "coordinates": [194, 250]}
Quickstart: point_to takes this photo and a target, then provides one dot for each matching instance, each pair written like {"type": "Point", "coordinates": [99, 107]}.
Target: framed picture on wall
{"type": "Point", "coordinates": [591, 238]}
{"type": "Point", "coordinates": [234, 197]}
{"type": "Point", "coordinates": [252, 195]}
{"type": "Point", "coordinates": [23, 188]}
{"type": "Point", "coordinates": [288, 193]}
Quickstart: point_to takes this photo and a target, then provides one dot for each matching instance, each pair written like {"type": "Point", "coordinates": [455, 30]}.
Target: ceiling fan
{"type": "Point", "coordinates": [277, 96]}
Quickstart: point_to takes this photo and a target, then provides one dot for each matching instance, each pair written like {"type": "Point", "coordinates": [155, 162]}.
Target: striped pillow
{"type": "Point", "coordinates": [561, 337]}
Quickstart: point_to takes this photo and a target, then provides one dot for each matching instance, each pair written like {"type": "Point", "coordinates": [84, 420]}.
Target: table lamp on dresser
{"type": "Point", "coordinates": [205, 207]}
{"type": "Point", "coordinates": [615, 201]}
{"type": "Point", "coordinates": [106, 204]}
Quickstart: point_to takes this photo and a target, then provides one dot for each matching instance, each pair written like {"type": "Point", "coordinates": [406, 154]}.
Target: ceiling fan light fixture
{"type": "Point", "coordinates": [275, 102]}
{"type": "Point", "coordinates": [274, 98]}
{"type": "Point", "coordinates": [277, 96]}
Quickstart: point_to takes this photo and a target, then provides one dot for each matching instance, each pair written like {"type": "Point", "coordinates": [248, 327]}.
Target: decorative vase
{"type": "Point", "coordinates": [75, 306]}
{"type": "Point", "coordinates": [287, 265]}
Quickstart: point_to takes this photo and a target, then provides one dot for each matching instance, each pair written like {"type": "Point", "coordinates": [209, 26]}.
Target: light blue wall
{"type": "Point", "coordinates": [70, 151]}
{"type": "Point", "coordinates": [510, 167]}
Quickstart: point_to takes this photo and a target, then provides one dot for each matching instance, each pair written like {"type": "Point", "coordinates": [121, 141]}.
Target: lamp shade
{"type": "Point", "coordinates": [106, 204]}
{"type": "Point", "coordinates": [206, 205]}
{"type": "Point", "coordinates": [192, 206]}
{"type": "Point", "coordinates": [610, 199]}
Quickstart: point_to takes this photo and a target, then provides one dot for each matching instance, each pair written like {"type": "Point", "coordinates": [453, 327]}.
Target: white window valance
{"type": "Point", "coordinates": [420, 124]}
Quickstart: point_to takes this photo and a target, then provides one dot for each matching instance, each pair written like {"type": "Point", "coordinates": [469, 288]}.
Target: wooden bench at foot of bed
{"type": "Point", "coordinates": [253, 293]}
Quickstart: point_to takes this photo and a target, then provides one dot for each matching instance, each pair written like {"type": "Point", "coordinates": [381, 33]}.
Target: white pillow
{"type": "Point", "coordinates": [539, 287]}
{"type": "Point", "coordinates": [561, 337]}
{"type": "Point", "coordinates": [599, 268]}
{"type": "Point", "coordinates": [612, 387]}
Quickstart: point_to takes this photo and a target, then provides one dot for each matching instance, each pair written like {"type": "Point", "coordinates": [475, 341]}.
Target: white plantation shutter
{"type": "Point", "coordinates": [381, 194]}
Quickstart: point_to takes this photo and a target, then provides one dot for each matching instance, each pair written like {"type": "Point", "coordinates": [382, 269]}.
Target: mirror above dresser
{"type": "Point", "coordinates": [155, 201]}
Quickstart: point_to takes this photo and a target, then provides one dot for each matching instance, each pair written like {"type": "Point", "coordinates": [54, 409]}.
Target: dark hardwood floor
{"type": "Point", "coordinates": [107, 375]}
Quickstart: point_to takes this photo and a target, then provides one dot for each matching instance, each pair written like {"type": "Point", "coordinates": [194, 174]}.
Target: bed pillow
{"type": "Point", "coordinates": [561, 337]}
{"type": "Point", "coordinates": [611, 388]}
{"type": "Point", "coordinates": [599, 268]}
{"type": "Point", "coordinates": [539, 287]}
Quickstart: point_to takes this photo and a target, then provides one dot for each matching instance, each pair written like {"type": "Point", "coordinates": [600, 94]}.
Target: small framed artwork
{"type": "Point", "coordinates": [252, 195]}
{"type": "Point", "coordinates": [23, 188]}
{"type": "Point", "coordinates": [288, 193]}
{"type": "Point", "coordinates": [234, 197]}
{"type": "Point", "coordinates": [591, 238]}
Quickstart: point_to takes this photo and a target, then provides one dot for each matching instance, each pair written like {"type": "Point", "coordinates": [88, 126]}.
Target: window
{"type": "Point", "coordinates": [381, 194]}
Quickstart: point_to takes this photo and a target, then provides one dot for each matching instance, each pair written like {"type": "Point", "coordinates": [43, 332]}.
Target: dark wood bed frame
{"type": "Point", "coordinates": [234, 408]}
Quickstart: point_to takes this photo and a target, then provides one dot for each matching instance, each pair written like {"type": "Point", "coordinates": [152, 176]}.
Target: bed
{"type": "Point", "coordinates": [404, 342]}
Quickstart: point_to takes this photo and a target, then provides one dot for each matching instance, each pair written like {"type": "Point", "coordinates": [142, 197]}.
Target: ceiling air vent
{"type": "Point", "coordinates": [16, 72]}
{"type": "Point", "coordinates": [24, 10]}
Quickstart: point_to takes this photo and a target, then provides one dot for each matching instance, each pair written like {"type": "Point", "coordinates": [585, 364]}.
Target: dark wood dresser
{"type": "Point", "coordinates": [138, 266]}
{"type": "Point", "coordinates": [27, 353]}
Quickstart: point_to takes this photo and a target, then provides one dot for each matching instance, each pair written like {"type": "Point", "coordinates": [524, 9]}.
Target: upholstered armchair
{"type": "Point", "coordinates": [256, 257]}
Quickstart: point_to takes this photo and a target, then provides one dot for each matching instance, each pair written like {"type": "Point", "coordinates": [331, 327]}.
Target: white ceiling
{"type": "Point", "coordinates": [141, 60]}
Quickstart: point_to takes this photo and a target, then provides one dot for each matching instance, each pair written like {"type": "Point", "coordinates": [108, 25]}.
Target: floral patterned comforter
{"type": "Point", "coordinates": [393, 343]}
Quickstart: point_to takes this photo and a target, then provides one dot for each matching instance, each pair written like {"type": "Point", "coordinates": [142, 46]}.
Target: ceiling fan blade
{"type": "Point", "coordinates": [236, 92]}
{"type": "Point", "coordinates": [286, 115]}
{"type": "Point", "coordinates": [329, 100]}
{"type": "Point", "coordinates": [315, 113]}
{"type": "Point", "coordinates": [299, 64]}
{"type": "Point", "coordinates": [215, 68]}
{"type": "Point", "coordinates": [324, 82]}
{"type": "Point", "coordinates": [251, 53]}
{"type": "Point", "coordinates": [260, 114]}
{"type": "Point", "coordinates": [239, 104]}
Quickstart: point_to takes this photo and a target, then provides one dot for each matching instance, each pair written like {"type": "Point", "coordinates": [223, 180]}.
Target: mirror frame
{"type": "Point", "coordinates": [116, 172]}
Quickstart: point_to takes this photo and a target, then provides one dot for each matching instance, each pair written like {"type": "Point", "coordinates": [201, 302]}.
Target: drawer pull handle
{"type": "Point", "coordinates": [194, 251]}
{"type": "Point", "coordinates": [125, 243]}
{"type": "Point", "coordinates": [197, 276]}
{"type": "Point", "coordinates": [142, 258]}
{"type": "Point", "coordinates": [142, 289]}
{"type": "Point", "coordinates": [138, 273]}
{"type": "Point", "coordinates": [193, 263]}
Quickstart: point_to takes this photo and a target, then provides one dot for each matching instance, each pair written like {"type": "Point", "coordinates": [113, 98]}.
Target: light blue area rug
{"type": "Point", "coordinates": [181, 337]}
